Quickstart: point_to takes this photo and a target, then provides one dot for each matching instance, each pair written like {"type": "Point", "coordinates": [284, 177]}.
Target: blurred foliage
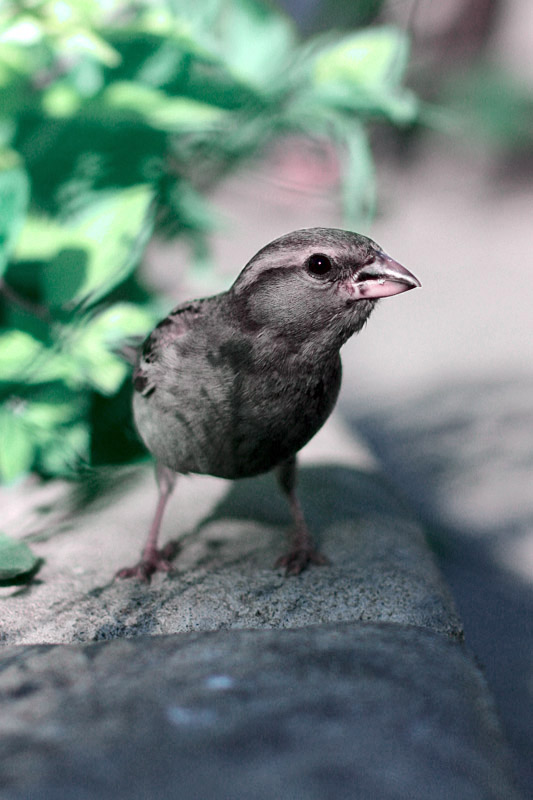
{"type": "Point", "coordinates": [347, 14]}
{"type": "Point", "coordinates": [17, 562]}
{"type": "Point", "coordinates": [493, 107]}
{"type": "Point", "coordinates": [115, 119]}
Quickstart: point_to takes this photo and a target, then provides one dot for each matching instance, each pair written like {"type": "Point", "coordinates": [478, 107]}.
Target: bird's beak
{"type": "Point", "coordinates": [383, 277]}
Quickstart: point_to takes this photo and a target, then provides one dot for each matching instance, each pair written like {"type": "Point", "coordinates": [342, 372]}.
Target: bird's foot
{"type": "Point", "coordinates": [299, 559]}
{"type": "Point", "coordinates": [155, 561]}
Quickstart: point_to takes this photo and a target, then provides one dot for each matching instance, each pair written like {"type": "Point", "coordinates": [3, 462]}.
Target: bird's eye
{"type": "Point", "coordinates": [319, 264]}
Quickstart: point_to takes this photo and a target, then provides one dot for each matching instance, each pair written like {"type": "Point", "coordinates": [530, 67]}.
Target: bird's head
{"type": "Point", "coordinates": [317, 282]}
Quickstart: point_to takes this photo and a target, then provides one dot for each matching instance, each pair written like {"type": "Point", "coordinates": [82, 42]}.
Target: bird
{"type": "Point", "coordinates": [235, 384]}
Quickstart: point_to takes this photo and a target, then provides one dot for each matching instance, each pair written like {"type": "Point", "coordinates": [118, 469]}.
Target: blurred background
{"type": "Point", "coordinates": [148, 149]}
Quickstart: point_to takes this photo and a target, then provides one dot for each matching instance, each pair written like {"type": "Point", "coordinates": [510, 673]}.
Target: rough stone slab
{"type": "Point", "coordinates": [374, 712]}
{"type": "Point", "coordinates": [230, 536]}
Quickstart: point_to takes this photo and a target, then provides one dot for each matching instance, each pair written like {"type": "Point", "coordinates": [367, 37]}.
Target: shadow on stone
{"type": "Point", "coordinates": [330, 494]}
{"type": "Point", "coordinates": [462, 456]}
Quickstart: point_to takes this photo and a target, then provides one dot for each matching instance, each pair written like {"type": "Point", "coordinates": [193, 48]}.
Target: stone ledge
{"type": "Point", "coordinates": [348, 710]}
{"type": "Point", "coordinates": [369, 694]}
{"type": "Point", "coordinates": [230, 536]}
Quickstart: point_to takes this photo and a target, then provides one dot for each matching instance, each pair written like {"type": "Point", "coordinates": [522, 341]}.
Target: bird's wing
{"type": "Point", "coordinates": [164, 335]}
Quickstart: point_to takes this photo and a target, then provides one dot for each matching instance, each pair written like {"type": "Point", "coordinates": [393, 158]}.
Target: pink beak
{"type": "Point", "coordinates": [383, 277]}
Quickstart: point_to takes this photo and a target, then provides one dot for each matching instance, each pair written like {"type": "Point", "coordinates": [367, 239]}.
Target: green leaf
{"type": "Point", "coordinates": [93, 346]}
{"type": "Point", "coordinates": [47, 430]}
{"type": "Point", "coordinates": [363, 73]}
{"type": "Point", "coordinates": [52, 406]}
{"type": "Point", "coordinates": [16, 446]}
{"type": "Point", "coordinates": [14, 196]}
{"type": "Point", "coordinates": [8, 129]}
{"type": "Point", "coordinates": [119, 322]}
{"type": "Point", "coordinates": [87, 42]}
{"type": "Point", "coordinates": [24, 359]}
{"type": "Point", "coordinates": [400, 108]}
{"type": "Point", "coordinates": [61, 100]}
{"type": "Point", "coordinates": [117, 229]}
{"type": "Point", "coordinates": [54, 421]}
{"type": "Point", "coordinates": [65, 279]}
{"type": "Point", "coordinates": [86, 257]}
{"type": "Point", "coordinates": [20, 29]}
{"type": "Point", "coordinates": [18, 351]}
{"type": "Point", "coordinates": [61, 452]}
{"type": "Point", "coordinates": [41, 238]}
{"type": "Point", "coordinates": [16, 558]}
{"type": "Point", "coordinates": [373, 57]}
{"type": "Point", "coordinates": [158, 109]}
{"type": "Point", "coordinates": [255, 41]}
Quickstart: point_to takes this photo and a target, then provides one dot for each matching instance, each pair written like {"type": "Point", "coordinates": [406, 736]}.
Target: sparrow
{"type": "Point", "coordinates": [236, 384]}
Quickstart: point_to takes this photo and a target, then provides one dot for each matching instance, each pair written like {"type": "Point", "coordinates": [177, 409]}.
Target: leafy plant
{"type": "Point", "coordinates": [17, 562]}
{"type": "Point", "coordinates": [115, 119]}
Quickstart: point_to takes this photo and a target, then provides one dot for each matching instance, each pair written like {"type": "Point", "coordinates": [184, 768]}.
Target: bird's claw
{"type": "Point", "coordinates": [157, 561]}
{"type": "Point", "coordinates": [299, 559]}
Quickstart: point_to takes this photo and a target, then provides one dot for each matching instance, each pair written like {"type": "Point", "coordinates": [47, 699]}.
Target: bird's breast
{"type": "Point", "coordinates": [233, 415]}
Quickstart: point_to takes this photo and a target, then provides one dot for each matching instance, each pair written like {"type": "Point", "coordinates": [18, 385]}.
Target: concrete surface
{"type": "Point", "coordinates": [229, 537]}
{"type": "Point", "coordinates": [371, 694]}
{"type": "Point", "coordinates": [461, 456]}
{"type": "Point", "coordinates": [342, 711]}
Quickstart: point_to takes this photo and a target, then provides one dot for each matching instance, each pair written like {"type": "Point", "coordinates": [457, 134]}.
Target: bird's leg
{"type": "Point", "coordinates": [152, 559]}
{"type": "Point", "coordinates": [303, 551]}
